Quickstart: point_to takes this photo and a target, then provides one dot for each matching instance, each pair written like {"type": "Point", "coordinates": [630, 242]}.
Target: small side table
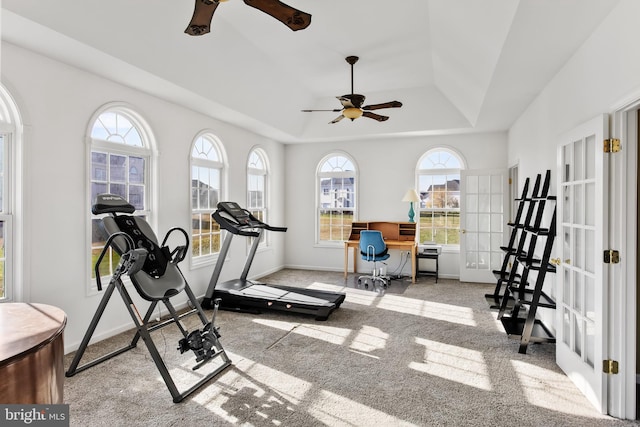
{"type": "Point", "coordinates": [433, 256]}
{"type": "Point", "coordinates": [31, 353]}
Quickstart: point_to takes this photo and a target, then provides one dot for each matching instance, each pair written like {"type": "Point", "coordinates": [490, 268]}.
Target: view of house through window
{"type": "Point", "coordinates": [206, 183]}
{"type": "Point", "coordinates": [336, 198]}
{"type": "Point", "coordinates": [438, 178]}
{"type": "Point", "coordinates": [119, 165]}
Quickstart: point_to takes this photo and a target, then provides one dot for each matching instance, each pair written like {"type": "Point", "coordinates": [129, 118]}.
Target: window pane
{"type": "Point", "coordinates": [136, 170]}
{"type": "Point", "coordinates": [117, 168]}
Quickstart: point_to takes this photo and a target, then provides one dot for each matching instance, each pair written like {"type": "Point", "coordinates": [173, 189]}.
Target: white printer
{"type": "Point", "coordinates": [428, 247]}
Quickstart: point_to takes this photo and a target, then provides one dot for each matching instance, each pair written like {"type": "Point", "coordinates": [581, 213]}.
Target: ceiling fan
{"type": "Point", "coordinates": [352, 104]}
{"type": "Point", "coordinates": [293, 18]}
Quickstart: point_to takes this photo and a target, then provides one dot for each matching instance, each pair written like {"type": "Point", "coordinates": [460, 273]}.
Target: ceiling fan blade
{"type": "Point", "coordinates": [392, 104]}
{"type": "Point", "coordinates": [375, 116]}
{"type": "Point", "coordinates": [289, 16]}
{"type": "Point", "coordinates": [202, 15]}
{"type": "Point", "coordinates": [337, 119]}
{"type": "Point", "coordinates": [311, 111]}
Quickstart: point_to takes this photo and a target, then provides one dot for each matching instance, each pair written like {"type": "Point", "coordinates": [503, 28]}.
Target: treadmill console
{"type": "Point", "coordinates": [238, 220]}
{"type": "Point", "coordinates": [242, 216]}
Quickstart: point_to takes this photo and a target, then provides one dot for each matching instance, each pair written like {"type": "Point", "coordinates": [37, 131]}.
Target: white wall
{"type": "Point", "coordinates": [386, 169]}
{"type": "Point", "coordinates": [57, 102]}
{"type": "Point", "coordinates": [602, 74]}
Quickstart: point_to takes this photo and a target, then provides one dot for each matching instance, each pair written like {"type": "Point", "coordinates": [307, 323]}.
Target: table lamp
{"type": "Point", "coordinates": [411, 196]}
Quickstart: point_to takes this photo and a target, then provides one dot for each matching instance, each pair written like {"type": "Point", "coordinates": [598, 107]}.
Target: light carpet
{"type": "Point", "coordinates": [424, 354]}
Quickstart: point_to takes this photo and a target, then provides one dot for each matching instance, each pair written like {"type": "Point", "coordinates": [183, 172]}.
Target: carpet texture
{"type": "Point", "coordinates": [417, 355]}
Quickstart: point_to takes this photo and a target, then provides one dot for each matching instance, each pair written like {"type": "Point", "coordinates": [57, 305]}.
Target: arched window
{"type": "Point", "coordinates": [120, 163]}
{"type": "Point", "coordinates": [257, 180]}
{"type": "Point", "coordinates": [207, 179]}
{"type": "Point", "coordinates": [438, 180]}
{"type": "Point", "coordinates": [336, 197]}
{"type": "Point", "coordinates": [10, 197]}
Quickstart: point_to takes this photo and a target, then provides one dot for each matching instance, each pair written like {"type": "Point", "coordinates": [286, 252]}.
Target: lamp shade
{"type": "Point", "coordinates": [411, 196]}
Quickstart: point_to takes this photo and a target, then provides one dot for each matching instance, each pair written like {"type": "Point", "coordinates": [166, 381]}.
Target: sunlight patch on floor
{"type": "Point", "coordinates": [266, 393]}
{"type": "Point", "coordinates": [369, 339]}
{"type": "Point", "coordinates": [330, 334]}
{"type": "Point", "coordinates": [429, 309]}
{"type": "Point", "coordinates": [334, 410]}
{"type": "Point", "coordinates": [551, 390]}
{"type": "Point", "coordinates": [453, 363]}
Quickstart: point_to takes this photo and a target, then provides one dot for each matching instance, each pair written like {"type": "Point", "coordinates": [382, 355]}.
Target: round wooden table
{"type": "Point", "coordinates": [31, 353]}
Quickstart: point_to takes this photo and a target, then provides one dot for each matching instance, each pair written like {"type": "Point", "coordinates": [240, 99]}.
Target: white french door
{"type": "Point", "coordinates": [482, 223]}
{"type": "Point", "coordinates": [581, 299]}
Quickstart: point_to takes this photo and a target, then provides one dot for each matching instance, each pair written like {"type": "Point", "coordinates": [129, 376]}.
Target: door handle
{"type": "Point", "coordinates": [555, 261]}
{"type": "Point", "coordinates": [463, 230]}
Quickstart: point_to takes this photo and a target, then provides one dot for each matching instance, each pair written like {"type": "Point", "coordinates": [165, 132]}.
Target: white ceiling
{"type": "Point", "coordinates": [456, 65]}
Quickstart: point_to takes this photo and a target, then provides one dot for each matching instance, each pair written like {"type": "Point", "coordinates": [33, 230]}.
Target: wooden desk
{"type": "Point", "coordinates": [403, 245]}
{"type": "Point", "coordinates": [31, 353]}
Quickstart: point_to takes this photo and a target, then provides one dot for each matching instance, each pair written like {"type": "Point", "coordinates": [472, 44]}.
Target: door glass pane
{"type": "Point", "coordinates": [578, 207]}
{"type": "Point", "coordinates": [484, 241]}
{"type": "Point", "coordinates": [566, 244]}
{"type": "Point", "coordinates": [578, 168]}
{"type": "Point", "coordinates": [472, 222]}
{"type": "Point", "coordinates": [472, 203]}
{"type": "Point", "coordinates": [472, 259]}
{"type": "Point", "coordinates": [590, 338]}
{"type": "Point", "coordinates": [472, 184]}
{"type": "Point", "coordinates": [589, 201]}
{"type": "Point", "coordinates": [578, 249]}
{"type": "Point", "coordinates": [566, 287]}
{"type": "Point", "coordinates": [590, 157]}
{"type": "Point", "coordinates": [566, 327]}
{"type": "Point", "coordinates": [484, 184]}
{"type": "Point", "coordinates": [577, 329]}
{"type": "Point", "coordinates": [566, 212]}
{"type": "Point", "coordinates": [567, 175]}
{"type": "Point", "coordinates": [590, 298]}
{"type": "Point", "coordinates": [484, 203]}
{"type": "Point", "coordinates": [589, 248]}
{"type": "Point", "coordinates": [577, 292]}
{"type": "Point", "coordinates": [483, 260]}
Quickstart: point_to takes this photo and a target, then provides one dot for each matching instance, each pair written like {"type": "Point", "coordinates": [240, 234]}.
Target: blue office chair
{"type": "Point", "coordinates": [373, 249]}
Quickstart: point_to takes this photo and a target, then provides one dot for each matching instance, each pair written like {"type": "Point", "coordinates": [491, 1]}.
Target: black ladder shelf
{"type": "Point", "coordinates": [519, 302]}
{"type": "Point", "coordinates": [506, 274]}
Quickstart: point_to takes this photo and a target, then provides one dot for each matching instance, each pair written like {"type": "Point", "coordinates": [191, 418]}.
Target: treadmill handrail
{"type": "Point", "coordinates": [233, 227]}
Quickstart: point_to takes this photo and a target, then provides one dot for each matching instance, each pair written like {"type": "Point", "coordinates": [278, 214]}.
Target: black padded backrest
{"type": "Point", "coordinates": [111, 203]}
{"type": "Point", "coordinates": [148, 282]}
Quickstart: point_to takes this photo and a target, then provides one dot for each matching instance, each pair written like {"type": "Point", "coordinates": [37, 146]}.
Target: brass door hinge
{"type": "Point", "coordinates": [610, 366]}
{"type": "Point", "coordinates": [611, 256]}
{"type": "Point", "coordinates": [612, 145]}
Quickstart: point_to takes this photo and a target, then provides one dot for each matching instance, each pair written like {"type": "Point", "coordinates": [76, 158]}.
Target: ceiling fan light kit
{"type": "Point", "coordinates": [352, 103]}
{"type": "Point", "coordinates": [204, 9]}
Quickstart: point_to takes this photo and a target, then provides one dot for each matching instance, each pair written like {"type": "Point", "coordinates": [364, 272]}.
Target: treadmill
{"type": "Point", "coordinates": [250, 296]}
